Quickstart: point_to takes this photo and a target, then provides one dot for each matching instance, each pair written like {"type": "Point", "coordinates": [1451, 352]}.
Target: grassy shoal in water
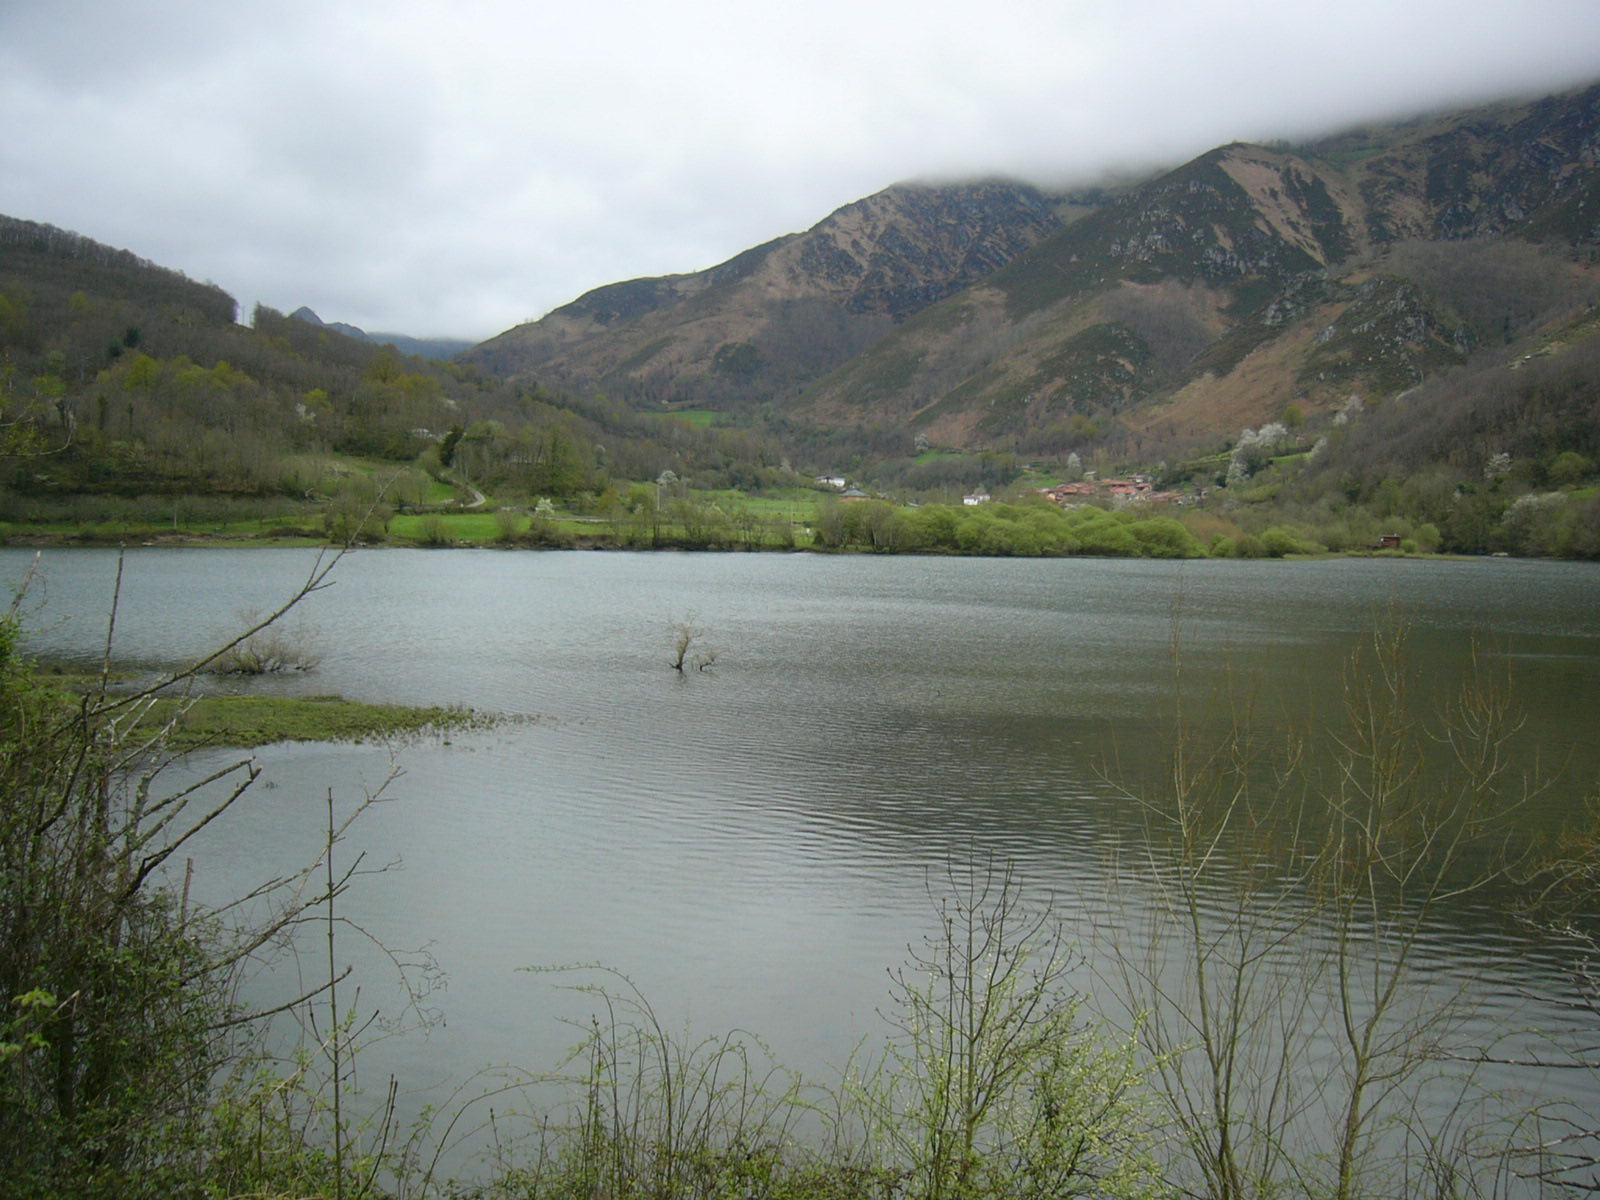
{"type": "Point", "coordinates": [249, 721]}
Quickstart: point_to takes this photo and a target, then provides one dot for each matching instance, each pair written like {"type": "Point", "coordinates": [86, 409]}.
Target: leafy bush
{"type": "Point", "coordinates": [1107, 536]}
{"type": "Point", "coordinates": [1248, 545]}
{"type": "Point", "coordinates": [507, 525]}
{"type": "Point", "coordinates": [1569, 468]}
{"type": "Point", "coordinates": [120, 1016]}
{"type": "Point", "coordinates": [357, 513]}
{"type": "Point", "coordinates": [996, 1084]}
{"type": "Point", "coordinates": [436, 531]}
{"type": "Point", "coordinates": [1278, 541]}
{"type": "Point", "coordinates": [120, 1033]}
{"type": "Point", "coordinates": [1164, 537]}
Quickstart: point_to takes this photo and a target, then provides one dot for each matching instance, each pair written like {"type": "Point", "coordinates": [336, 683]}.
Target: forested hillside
{"type": "Point", "coordinates": [126, 385]}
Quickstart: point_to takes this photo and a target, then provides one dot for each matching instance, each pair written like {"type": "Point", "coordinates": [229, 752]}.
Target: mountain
{"type": "Point", "coordinates": [438, 349]}
{"type": "Point", "coordinates": [1253, 279]}
{"type": "Point", "coordinates": [1251, 283]}
{"type": "Point", "coordinates": [769, 322]}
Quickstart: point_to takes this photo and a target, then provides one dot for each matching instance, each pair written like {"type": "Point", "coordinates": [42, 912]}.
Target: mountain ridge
{"type": "Point", "coordinates": [1265, 234]}
{"type": "Point", "coordinates": [766, 322]}
{"type": "Point", "coordinates": [435, 348]}
{"type": "Point", "coordinates": [1247, 281]}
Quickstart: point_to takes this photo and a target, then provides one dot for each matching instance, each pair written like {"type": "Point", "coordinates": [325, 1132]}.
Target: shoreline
{"type": "Point", "coordinates": [180, 541]}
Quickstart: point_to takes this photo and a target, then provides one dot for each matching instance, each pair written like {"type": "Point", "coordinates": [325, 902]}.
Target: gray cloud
{"type": "Point", "coordinates": [412, 168]}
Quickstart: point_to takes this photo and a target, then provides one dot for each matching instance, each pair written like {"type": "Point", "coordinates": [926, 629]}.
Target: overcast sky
{"type": "Point", "coordinates": [433, 168]}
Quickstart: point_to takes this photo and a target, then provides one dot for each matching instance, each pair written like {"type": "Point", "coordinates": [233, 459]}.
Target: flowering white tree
{"type": "Point", "coordinates": [1253, 448]}
{"type": "Point", "coordinates": [1351, 409]}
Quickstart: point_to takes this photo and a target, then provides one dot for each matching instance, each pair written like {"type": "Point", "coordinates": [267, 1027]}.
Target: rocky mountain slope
{"type": "Point", "coordinates": [1256, 279]}
{"type": "Point", "coordinates": [764, 325]}
{"type": "Point", "coordinates": [1250, 283]}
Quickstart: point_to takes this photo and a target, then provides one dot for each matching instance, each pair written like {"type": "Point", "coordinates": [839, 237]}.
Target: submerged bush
{"type": "Point", "coordinates": [269, 650]}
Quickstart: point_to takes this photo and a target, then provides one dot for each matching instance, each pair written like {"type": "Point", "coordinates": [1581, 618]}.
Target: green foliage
{"type": "Point", "coordinates": [138, 382]}
{"type": "Point", "coordinates": [1277, 541]}
{"type": "Point", "coordinates": [21, 1032]}
{"type": "Point", "coordinates": [1034, 529]}
{"type": "Point", "coordinates": [1164, 537]}
{"type": "Point", "coordinates": [250, 721]}
{"type": "Point", "coordinates": [1466, 457]}
{"type": "Point", "coordinates": [1570, 468]}
{"type": "Point", "coordinates": [433, 531]}
{"type": "Point", "coordinates": [357, 512]}
{"type": "Point", "coordinates": [995, 1084]}
{"type": "Point", "coordinates": [118, 1012]}
{"type": "Point", "coordinates": [507, 525]}
{"type": "Point", "coordinates": [659, 1114]}
{"type": "Point", "coordinates": [125, 1065]}
{"type": "Point", "coordinates": [1248, 545]}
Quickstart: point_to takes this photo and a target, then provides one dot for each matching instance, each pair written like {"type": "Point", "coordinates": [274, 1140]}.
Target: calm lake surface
{"type": "Point", "coordinates": [750, 844]}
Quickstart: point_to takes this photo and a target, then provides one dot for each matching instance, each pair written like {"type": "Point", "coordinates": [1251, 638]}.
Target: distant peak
{"type": "Point", "coordinates": [305, 314]}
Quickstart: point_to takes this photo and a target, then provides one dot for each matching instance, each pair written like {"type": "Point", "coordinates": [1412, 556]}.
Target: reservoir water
{"type": "Point", "coordinates": [751, 844]}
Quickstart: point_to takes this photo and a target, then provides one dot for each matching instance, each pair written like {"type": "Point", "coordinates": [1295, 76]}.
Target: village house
{"type": "Point", "coordinates": [1138, 485]}
{"type": "Point", "coordinates": [1067, 491]}
{"type": "Point", "coordinates": [1119, 491]}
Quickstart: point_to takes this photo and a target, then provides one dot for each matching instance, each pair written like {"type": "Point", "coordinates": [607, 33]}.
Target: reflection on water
{"type": "Point", "coordinates": [751, 844]}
